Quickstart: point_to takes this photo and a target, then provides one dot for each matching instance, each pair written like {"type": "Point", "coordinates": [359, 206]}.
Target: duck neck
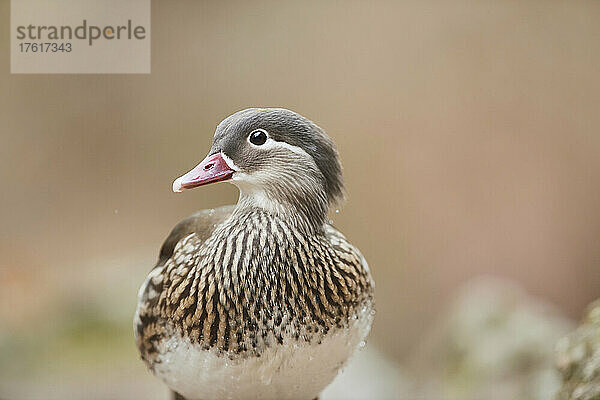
{"type": "Point", "coordinates": [304, 210]}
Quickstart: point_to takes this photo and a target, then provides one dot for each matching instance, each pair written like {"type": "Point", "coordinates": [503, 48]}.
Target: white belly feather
{"type": "Point", "coordinates": [291, 371]}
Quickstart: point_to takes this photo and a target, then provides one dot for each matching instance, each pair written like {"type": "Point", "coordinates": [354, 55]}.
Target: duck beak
{"type": "Point", "coordinates": [212, 169]}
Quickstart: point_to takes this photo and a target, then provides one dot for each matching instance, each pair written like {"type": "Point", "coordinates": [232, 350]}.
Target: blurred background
{"type": "Point", "coordinates": [470, 138]}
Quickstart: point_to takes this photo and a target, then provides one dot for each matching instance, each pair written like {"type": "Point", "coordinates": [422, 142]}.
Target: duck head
{"type": "Point", "coordinates": [279, 160]}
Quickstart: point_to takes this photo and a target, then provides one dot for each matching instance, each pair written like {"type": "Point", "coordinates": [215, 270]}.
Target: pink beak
{"type": "Point", "coordinates": [211, 169]}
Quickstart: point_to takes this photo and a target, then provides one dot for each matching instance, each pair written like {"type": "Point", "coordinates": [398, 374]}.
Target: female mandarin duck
{"type": "Point", "coordinates": [264, 299]}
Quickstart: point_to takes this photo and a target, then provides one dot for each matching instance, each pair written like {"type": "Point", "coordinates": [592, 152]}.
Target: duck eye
{"type": "Point", "coordinates": [258, 137]}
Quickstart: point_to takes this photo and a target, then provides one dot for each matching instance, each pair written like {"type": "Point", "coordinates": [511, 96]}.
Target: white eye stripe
{"type": "Point", "coordinates": [269, 144]}
{"type": "Point", "coordinates": [274, 144]}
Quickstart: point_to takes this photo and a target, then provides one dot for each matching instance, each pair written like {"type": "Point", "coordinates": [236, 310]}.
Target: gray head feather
{"type": "Point", "coordinates": [284, 126]}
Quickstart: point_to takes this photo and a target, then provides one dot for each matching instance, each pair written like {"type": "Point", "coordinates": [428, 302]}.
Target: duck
{"type": "Point", "coordinates": [264, 299]}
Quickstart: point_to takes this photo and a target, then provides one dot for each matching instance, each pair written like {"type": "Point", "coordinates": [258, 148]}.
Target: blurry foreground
{"type": "Point", "coordinates": [494, 342]}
